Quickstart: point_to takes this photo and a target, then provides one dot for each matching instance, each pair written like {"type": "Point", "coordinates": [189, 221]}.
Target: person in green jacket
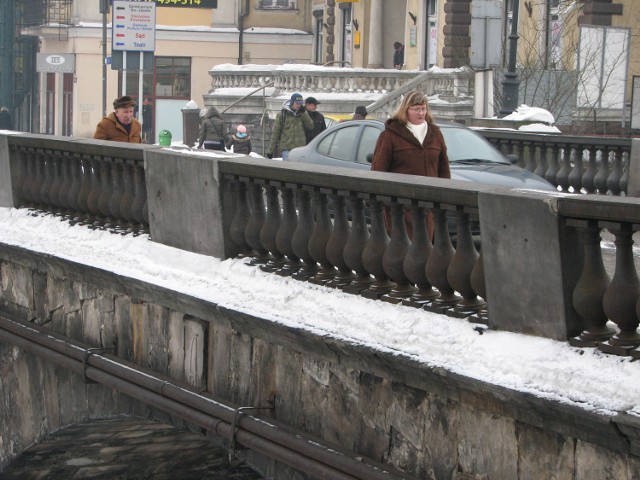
{"type": "Point", "coordinates": [289, 129]}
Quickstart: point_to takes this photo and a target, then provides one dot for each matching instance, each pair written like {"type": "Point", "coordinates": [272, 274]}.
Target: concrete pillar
{"type": "Point", "coordinates": [633, 187]}
{"type": "Point", "coordinates": [375, 35]}
{"type": "Point", "coordinates": [190, 128]}
{"type": "Point", "coordinates": [184, 201]}
{"type": "Point", "coordinates": [531, 262]}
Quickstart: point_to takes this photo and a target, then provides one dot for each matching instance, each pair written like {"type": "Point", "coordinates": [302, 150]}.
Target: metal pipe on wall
{"type": "Point", "coordinates": [260, 434]}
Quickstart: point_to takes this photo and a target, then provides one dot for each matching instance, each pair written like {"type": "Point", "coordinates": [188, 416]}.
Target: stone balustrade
{"type": "Point", "coordinates": [327, 227]}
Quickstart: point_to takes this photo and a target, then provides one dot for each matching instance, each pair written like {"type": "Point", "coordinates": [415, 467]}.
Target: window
{"type": "Point", "coordinates": [340, 145]}
{"type": "Point", "coordinates": [173, 77]}
{"type": "Point", "coordinates": [276, 4]}
{"type": "Point", "coordinates": [367, 145]}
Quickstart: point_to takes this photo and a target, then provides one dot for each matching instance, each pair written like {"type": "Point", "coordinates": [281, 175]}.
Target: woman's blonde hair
{"type": "Point", "coordinates": [411, 99]}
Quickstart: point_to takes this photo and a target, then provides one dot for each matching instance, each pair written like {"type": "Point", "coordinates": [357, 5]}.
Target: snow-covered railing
{"type": "Point", "coordinates": [573, 163]}
{"type": "Point", "coordinates": [540, 269]}
{"type": "Point", "coordinates": [313, 78]}
{"type": "Point", "coordinates": [93, 182]}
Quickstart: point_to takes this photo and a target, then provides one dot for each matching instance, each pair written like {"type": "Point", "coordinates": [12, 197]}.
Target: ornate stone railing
{"type": "Point", "coordinates": [95, 183]}
{"type": "Point", "coordinates": [573, 163]}
{"type": "Point", "coordinates": [539, 271]}
{"type": "Point", "coordinates": [291, 77]}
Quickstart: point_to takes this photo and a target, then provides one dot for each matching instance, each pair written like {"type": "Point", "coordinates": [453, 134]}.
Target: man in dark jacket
{"type": "Point", "coordinates": [289, 129]}
{"type": "Point", "coordinates": [5, 119]}
{"type": "Point", "coordinates": [318, 119]}
{"type": "Point", "coordinates": [120, 125]}
{"type": "Point", "coordinates": [398, 55]}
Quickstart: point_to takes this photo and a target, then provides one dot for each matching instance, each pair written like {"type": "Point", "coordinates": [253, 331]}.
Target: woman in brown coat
{"type": "Point", "coordinates": [411, 143]}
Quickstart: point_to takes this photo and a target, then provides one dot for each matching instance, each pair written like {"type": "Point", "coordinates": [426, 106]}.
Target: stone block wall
{"type": "Point", "coordinates": [423, 420]}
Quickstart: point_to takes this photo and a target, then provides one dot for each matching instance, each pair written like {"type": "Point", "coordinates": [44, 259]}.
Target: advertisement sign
{"type": "Point", "coordinates": [56, 62]}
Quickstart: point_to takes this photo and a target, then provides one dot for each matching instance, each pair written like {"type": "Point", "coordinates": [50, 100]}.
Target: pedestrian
{"type": "Point", "coordinates": [360, 113]}
{"type": "Point", "coordinates": [120, 125]}
{"type": "Point", "coordinates": [240, 141]}
{"type": "Point", "coordinates": [411, 143]}
{"type": "Point", "coordinates": [398, 55]}
{"type": "Point", "coordinates": [212, 130]}
{"type": "Point", "coordinates": [311, 104]}
{"type": "Point", "coordinates": [5, 118]}
{"type": "Point", "coordinates": [290, 127]}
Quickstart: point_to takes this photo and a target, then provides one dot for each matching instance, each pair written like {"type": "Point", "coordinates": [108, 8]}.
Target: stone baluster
{"type": "Point", "coordinates": [479, 286]}
{"type": "Point", "coordinates": [575, 177]}
{"type": "Point", "coordinates": [394, 255]}
{"type": "Point", "coordinates": [589, 291]}
{"type": "Point", "coordinates": [270, 228]}
{"type": "Point", "coordinates": [530, 156]}
{"type": "Point", "coordinates": [462, 264]}
{"type": "Point", "coordinates": [613, 181]}
{"type": "Point", "coordinates": [42, 177]}
{"type": "Point", "coordinates": [624, 179]}
{"type": "Point", "coordinates": [551, 173]}
{"type": "Point", "coordinates": [600, 180]}
{"type": "Point", "coordinates": [117, 189]}
{"type": "Point", "coordinates": [75, 163]}
{"type": "Point", "coordinates": [302, 234]}
{"type": "Point", "coordinates": [563, 174]}
{"type": "Point", "coordinates": [256, 220]}
{"type": "Point", "coordinates": [373, 252]}
{"type": "Point", "coordinates": [541, 161]}
{"type": "Point", "coordinates": [27, 163]}
{"type": "Point", "coordinates": [589, 175]}
{"type": "Point", "coordinates": [58, 184]}
{"type": "Point", "coordinates": [37, 170]}
{"type": "Point", "coordinates": [48, 167]}
{"type": "Point", "coordinates": [139, 196]}
{"type": "Point", "coordinates": [126, 200]}
{"type": "Point", "coordinates": [66, 182]}
{"type": "Point", "coordinates": [85, 181]}
{"type": "Point", "coordinates": [355, 246]}
{"type": "Point", "coordinates": [242, 213]}
{"type": "Point", "coordinates": [438, 264]}
{"type": "Point", "coordinates": [320, 239]}
{"type": "Point", "coordinates": [95, 189]}
{"type": "Point", "coordinates": [620, 298]}
{"type": "Point", "coordinates": [288, 226]}
{"type": "Point", "coordinates": [105, 192]}
{"type": "Point", "coordinates": [416, 259]}
{"type": "Point", "coordinates": [337, 242]}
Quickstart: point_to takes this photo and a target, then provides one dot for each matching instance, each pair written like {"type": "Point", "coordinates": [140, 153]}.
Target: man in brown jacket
{"type": "Point", "coordinates": [120, 125]}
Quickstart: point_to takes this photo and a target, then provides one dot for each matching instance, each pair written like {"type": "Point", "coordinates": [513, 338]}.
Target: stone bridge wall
{"type": "Point", "coordinates": [422, 420]}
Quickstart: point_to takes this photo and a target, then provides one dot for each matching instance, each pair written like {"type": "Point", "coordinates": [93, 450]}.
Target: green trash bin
{"type": "Point", "coordinates": [165, 138]}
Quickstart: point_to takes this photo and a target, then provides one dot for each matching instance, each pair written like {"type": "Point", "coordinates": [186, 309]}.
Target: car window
{"type": "Point", "coordinates": [367, 143]}
{"type": "Point", "coordinates": [340, 144]}
{"type": "Point", "coordinates": [464, 144]}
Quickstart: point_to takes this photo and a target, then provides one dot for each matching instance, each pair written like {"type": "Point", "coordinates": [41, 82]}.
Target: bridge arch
{"type": "Point", "coordinates": [125, 447]}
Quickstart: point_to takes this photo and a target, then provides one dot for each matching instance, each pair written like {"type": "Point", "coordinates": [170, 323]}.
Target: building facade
{"type": "Point", "coordinates": [70, 99]}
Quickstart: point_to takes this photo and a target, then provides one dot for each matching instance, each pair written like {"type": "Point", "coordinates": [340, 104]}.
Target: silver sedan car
{"type": "Point", "coordinates": [471, 157]}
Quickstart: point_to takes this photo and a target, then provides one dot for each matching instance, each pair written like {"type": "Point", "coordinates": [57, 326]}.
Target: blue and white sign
{"type": "Point", "coordinates": [133, 26]}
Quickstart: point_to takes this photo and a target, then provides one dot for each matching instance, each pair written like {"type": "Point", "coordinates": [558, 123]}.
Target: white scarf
{"type": "Point", "coordinates": [419, 131]}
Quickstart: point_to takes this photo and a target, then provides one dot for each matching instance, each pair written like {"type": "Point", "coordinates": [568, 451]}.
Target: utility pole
{"type": "Point", "coordinates": [511, 83]}
{"type": "Point", "coordinates": [104, 9]}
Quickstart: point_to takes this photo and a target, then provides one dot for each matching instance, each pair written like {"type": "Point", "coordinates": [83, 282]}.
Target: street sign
{"type": "Point", "coordinates": [133, 26]}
